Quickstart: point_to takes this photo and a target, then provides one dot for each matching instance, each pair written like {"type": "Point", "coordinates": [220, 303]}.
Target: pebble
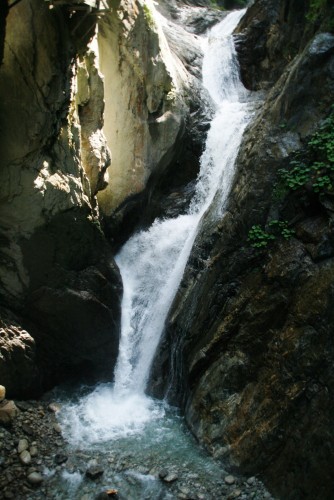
{"type": "Point", "coordinates": [8, 411]}
{"type": "Point", "coordinates": [234, 494]}
{"type": "Point", "coordinates": [35, 478]}
{"type": "Point", "coordinates": [57, 428]}
{"type": "Point", "coordinates": [33, 451]}
{"type": "Point", "coordinates": [60, 458]}
{"type": "Point", "coordinates": [94, 471]}
{"type": "Point", "coordinates": [229, 480]}
{"type": "Point", "coordinates": [22, 446]}
{"type": "Point", "coordinates": [25, 457]}
{"type": "Point", "coordinates": [170, 478]}
{"type": "Point", "coordinates": [54, 407]}
{"type": "Point", "coordinates": [163, 473]}
{"type": "Point", "coordinates": [251, 480]}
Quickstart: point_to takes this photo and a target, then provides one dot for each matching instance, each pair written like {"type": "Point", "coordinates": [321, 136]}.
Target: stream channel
{"type": "Point", "coordinates": [142, 444]}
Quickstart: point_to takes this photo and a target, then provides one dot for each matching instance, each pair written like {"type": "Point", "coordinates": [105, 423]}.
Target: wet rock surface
{"type": "Point", "coordinates": [251, 331]}
{"type": "Point", "coordinates": [57, 470]}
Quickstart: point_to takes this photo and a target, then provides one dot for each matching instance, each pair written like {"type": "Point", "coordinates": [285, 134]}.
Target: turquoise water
{"type": "Point", "coordinates": [131, 463]}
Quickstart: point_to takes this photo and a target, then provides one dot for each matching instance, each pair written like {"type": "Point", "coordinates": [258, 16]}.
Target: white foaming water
{"type": "Point", "coordinates": [152, 262]}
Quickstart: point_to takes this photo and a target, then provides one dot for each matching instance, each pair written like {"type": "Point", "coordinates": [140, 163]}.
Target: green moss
{"type": "Point", "coordinates": [149, 16]}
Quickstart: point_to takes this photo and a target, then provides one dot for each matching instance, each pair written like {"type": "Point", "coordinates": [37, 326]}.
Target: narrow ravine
{"type": "Point", "coordinates": [119, 418]}
{"type": "Point", "coordinates": [152, 262]}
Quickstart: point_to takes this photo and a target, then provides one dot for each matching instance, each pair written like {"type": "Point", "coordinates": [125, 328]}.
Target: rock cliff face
{"type": "Point", "coordinates": [92, 122]}
{"type": "Point", "coordinates": [154, 107]}
{"type": "Point", "coordinates": [57, 273]}
{"type": "Point", "coordinates": [249, 342]}
{"type": "Point", "coordinates": [144, 105]}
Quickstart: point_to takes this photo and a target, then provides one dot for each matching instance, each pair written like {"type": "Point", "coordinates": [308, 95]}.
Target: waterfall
{"type": "Point", "coordinates": [152, 262]}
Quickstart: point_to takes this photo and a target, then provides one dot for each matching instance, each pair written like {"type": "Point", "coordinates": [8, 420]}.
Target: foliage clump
{"type": "Point", "coordinates": [315, 9]}
{"type": "Point", "coordinates": [310, 173]}
{"type": "Point", "coordinates": [312, 168]}
{"type": "Point", "coordinates": [323, 11]}
{"type": "Point", "coordinates": [149, 17]}
{"type": "Point", "coordinates": [260, 237]}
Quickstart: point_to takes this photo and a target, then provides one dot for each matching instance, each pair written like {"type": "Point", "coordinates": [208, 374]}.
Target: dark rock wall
{"type": "Point", "coordinates": [3, 15]}
{"type": "Point", "coordinates": [276, 31]}
{"type": "Point", "coordinates": [249, 347]}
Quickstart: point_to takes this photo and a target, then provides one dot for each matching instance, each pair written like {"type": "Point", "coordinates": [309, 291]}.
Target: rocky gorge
{"type": "Point", "coordinates": [102, 131]}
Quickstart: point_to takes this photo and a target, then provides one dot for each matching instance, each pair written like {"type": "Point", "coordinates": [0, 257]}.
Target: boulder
{"type": "Point", "coordinates": [2, 393]}
{"type": "Point", "coordinates": [18, 365]}
{"type": "Point", "coordinates": [8, 411]}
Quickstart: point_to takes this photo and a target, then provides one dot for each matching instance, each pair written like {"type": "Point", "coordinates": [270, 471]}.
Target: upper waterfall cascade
{"type": "Point", "coordinates": [152, 262]}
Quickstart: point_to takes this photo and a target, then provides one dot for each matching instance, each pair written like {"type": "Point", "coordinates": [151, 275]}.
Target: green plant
{"type": "Point", "coordinates": [315, 9]}
{"type": "Point", "coordinates": [314, 166]}
{"type": "Point", "coordinates": [149, 16]}
{"type": "Point", "coordinates": [260, 237]}
{"type": "Point", "coordinates": [281, 227]}
{"type": "Point", "coordinates": [323, 140]}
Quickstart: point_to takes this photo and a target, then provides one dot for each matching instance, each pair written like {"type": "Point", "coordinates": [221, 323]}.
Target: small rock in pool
{"type": "Point", "coordinates": [170, 478]}
{"type": "Point", "coordinates": [163, 473]}
{"type": "Point", "coordinates": [112, 493]}
{"type": "Point", "coordinates": [57, 428]}
{"type": "Point", "coordinates": [229, 480]}
{"type": "Point", "coordinates": [35, 478]}
{"type": "Point", "coordinates": [60, 458]}
{"type": "Point", "coordinates": [94, 472]}
{"type": "Point", "coordinates": [234, 494]}
{"type": "Point", "coordinates": [106, 495]}
{"type": "Point", "coordinates": [54, 407]}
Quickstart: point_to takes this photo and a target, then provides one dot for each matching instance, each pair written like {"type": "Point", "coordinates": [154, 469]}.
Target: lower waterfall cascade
{"type": "Point", "coordinates": [120, 415]}
{"type": "Point", "coordinates": [152, 262]}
